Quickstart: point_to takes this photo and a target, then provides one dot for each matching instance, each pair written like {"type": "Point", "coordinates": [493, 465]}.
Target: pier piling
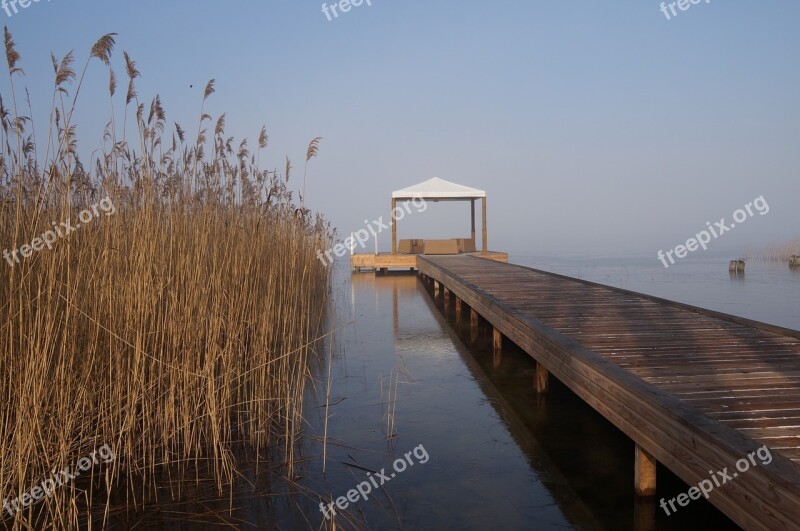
{"type": "Point", "coordinates": [473, 325]}
{"type": "Point", "coordinates": [736, 266]}
{"type": "Point", "coordinates": [497, 347]}
{"type": "Point", "coordinates": [644, 473]}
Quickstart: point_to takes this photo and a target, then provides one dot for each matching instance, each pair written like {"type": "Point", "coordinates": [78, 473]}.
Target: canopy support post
{"type": "Point", "coordinates": [472, 215]}
{"type": "Point", "coordinates": [485, 245]}
{"type": "Point", "coordinates": [394, 227]}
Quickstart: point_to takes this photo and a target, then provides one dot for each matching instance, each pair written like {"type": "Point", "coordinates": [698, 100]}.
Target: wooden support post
{"type": "Point", "coordinates": [446, 298]}
{"type": "Point", "coordinates": [436, 287]}
{"type": "Point", "coordinates": [485, 242]}
{"type": "Point", "coordinates": [644, 514]}
{"type": "Point", "coordinates": [458, 311]}
{"type": "Point", "coordinates": [472, 215]}
{"type": "Point", "coordinates": [645, 473]}
{"type": "Point", "coordinates": [736, 266]}
{"type": "Point", "coordinates": [473, 322]}
{"type": "Point", "coordinates": [541, 379]}
{"type": "Point", "coordinates": [497, 347]}
{"type": "Point", "coordinates": [394, 227]}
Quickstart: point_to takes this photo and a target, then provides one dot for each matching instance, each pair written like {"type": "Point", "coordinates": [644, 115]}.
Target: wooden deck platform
{"type": "Point", "coordinates": [696, 390]}
{"type": "Point", "coordinates": [360, 261]}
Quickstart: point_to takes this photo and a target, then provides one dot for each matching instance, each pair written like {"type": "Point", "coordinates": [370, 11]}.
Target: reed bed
{"type": "Point", "coordinates": [173, 329]}
{"type": "Point", "coordinates": [777, 252]}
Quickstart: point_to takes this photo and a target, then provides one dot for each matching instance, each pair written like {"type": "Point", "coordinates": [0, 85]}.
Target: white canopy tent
{"type": "Point", "coordinates": [437, 189]}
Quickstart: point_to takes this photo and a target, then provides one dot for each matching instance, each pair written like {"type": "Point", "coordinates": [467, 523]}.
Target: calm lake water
{"type": "Point", "coordinates": [400, 376]}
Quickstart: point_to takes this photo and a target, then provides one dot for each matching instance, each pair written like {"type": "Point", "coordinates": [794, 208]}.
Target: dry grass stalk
{"type": "Point", "coordinates": [169, 330]}
{"type": "Point", "coordinates": [777, 252]}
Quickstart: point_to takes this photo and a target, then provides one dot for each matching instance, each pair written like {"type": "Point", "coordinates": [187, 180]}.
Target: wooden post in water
{"type": "Point", "coordinates": [458, 311]}
{"type": "Point", "coordinates": [446, 298]}
{"type": "Point", "coordinates": [497, 347]}
{"type": "Point", "coordinates": [644, 514]}
{"type": "Point", "coordinates": [541, 379]}
{"type": "Point", "coordinates": [736, 266]}
{"type": "Point", "coordinates": [644, 473]}
{"type": "Point", "coordinates": [473, 323]}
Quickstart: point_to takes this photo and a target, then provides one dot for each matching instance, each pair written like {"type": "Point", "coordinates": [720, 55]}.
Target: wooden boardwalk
{"type": "Point", "coordinates": [696, 390]}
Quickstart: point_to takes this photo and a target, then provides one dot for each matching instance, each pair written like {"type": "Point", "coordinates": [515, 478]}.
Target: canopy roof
{"type": "Point", "coordinates": [437, 188]}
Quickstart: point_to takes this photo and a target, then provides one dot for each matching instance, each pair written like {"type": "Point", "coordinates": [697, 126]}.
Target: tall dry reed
{"type": "Point", "coordinates": [777, 252]}
{"type": "Point", "coordinates": [172, 330]}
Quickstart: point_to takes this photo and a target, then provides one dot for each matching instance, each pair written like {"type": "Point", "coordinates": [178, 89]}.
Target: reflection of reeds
{"type": "Point", "coordinates": [170, 330]}
{"type": "Point", "coordinates": [389, 395]}
{"type": "Point", "coordinates": [328, 385]}
{"type": "Point", "coordinates": [389, 401]}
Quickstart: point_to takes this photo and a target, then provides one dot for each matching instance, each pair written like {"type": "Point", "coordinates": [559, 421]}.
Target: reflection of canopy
{"type": "Point", "coordinates": [437, 188]}
{"type": "Point", "coordinates": [440, 190]}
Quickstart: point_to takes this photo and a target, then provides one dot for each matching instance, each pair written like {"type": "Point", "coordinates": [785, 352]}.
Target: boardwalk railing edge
{"type": "Point", "coordinates": [681, 437]}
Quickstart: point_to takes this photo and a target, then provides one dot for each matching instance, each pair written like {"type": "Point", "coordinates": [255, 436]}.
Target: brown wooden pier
{"type": "Point", "coordinates": [386, 261]}
{"type": "Point", "coordinates": [696, 390]}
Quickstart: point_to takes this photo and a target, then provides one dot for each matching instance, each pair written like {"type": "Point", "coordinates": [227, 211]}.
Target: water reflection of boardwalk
{"type": "Point", "coordinates": [695, 390]}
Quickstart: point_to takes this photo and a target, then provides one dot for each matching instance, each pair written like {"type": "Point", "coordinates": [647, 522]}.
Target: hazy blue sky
{"type": "Point", "coordinates": [595, 127]}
